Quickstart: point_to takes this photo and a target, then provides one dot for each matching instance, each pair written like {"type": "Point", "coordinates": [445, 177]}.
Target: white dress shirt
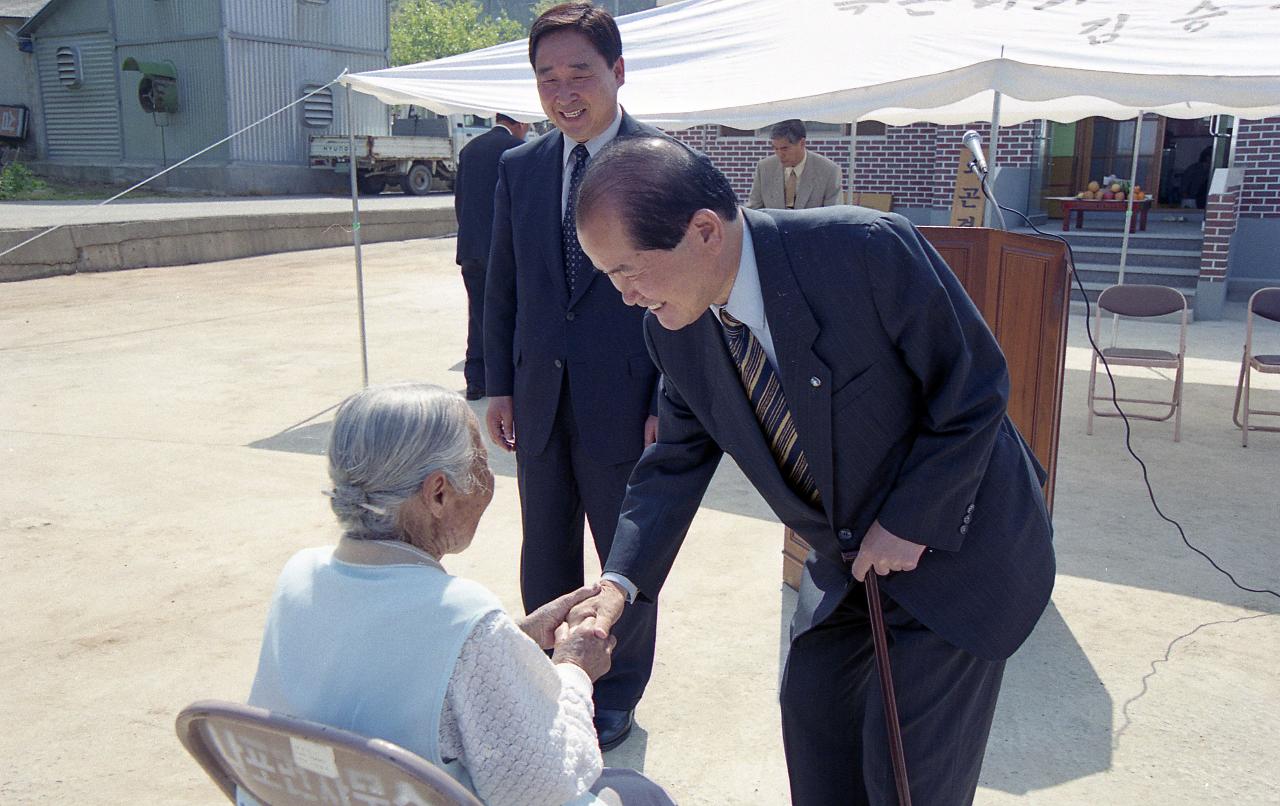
{"type": "Point", "coordinates": [799, 169]}
{"type": "Point", "coordinates": [746, 300]}
{"type": "Point", "coordinates": [593, 147]}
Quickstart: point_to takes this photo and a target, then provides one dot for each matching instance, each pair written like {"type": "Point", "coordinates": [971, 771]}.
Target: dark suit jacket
{"type": "Point", "coordinates": [898, 391]}
{"type": "Point", "coordinates": [536, 338]}
{"type": "Point", "coordinates": [473, 187]}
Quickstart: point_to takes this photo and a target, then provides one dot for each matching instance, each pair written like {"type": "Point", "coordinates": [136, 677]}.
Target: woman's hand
{"type": "Point", "coordinates": [541, 624]}
{"type": "Point", "coordinates": [583, 647]}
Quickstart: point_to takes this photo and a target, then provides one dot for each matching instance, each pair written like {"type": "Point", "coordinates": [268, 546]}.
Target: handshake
{"type": "Point", "coordinates": [576, 627]}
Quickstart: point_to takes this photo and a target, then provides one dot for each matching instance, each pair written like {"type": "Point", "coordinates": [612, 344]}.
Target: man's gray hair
{"type": "Point", "coordinates": [792, 131]}
{"type": "Point", "coordinates": [386, 440]}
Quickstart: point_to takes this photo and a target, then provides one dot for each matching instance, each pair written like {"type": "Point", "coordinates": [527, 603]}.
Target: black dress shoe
{"type": "Point", "coordinates": [613, 727]}
{"type": "Point", "coordinates": [475, 392]}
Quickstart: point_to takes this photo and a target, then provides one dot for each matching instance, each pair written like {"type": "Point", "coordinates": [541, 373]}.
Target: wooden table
{"type": "Point", "coordinates": [1070, 205]}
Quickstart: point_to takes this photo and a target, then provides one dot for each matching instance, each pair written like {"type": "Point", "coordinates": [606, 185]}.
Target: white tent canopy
{"type": "Point", "coordinates": [750, 63]}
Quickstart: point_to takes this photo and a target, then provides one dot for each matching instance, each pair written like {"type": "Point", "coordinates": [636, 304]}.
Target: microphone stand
{"type": "Point", "coordinates": [986, 191]}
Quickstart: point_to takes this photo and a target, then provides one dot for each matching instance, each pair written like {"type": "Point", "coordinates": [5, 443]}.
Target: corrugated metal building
{"type": "Point", "coordinates": [18, 84]}
{"type": "Point", "coordinates": [234, 62]}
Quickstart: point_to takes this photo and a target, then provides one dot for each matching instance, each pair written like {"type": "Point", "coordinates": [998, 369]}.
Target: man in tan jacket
{"type": "Point", "coordinates": [794, 178]}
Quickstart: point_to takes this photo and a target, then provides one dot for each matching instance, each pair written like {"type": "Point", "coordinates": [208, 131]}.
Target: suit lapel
{"type": "Point", "coordinates": [805, 378]}
{"type": "Point", "coordinates": [548, 172]}
{"type": "Point", "coordinates": [804, 188]}
{"type": "Point", "coordinates": [627, 128]}
{"type": "Point", "coordinates": [776, 185]}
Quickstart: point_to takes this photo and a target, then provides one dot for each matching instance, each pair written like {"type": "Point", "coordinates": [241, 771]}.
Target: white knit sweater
{"type": "Point", "coordinates": [502, 696]}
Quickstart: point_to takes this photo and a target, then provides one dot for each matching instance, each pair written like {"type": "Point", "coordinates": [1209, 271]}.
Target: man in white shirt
{"type": "Point", "coordinates": [794, 178]}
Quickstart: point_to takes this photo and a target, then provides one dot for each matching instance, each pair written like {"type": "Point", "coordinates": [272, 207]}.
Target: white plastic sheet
{"type": "Point", "coordinates": [750, 63]}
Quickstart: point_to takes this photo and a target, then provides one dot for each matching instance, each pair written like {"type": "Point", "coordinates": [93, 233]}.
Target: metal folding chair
{"type": "Point", "coordinates": [1138, 302]}
{"type": "Point", "coordinates": [278, 760]}
{"type": "Point", "coordinates": [1265, 302]}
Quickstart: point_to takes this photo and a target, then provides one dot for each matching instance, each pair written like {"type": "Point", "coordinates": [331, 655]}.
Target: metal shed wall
{"type": "Point", "coordinates": [167, 20]}
{"type": "Point", "coordinates": [82, 125]}
{"type": "Point", "coordinates": [62, 17]}
{"type": "Point", "coordinates": [351, 24]}
{"type": "Point", "coordinates": [201, 118]}
{"type": "Point", "coordinates": [265, 76]}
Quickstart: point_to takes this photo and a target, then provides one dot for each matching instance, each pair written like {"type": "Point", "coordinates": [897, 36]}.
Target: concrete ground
{"type": "Point", "coordinates": [160, 433]}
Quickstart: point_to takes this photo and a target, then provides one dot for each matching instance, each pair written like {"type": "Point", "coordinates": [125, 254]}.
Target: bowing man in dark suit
{"type": "Point", "coordinates": [473, 188]}
{"type": "Point", "coordinates": [837, 359]}
{"type": "Point", "coordinates": [570, 383]}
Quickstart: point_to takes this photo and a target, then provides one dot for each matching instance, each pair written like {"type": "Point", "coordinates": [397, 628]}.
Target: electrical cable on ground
{"type": "Point", "coordinates": [1128, 431]}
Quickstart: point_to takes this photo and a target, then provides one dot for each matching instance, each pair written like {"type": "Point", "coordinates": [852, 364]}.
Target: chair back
{"type": "Point", "coordinates": [1265, 302]}
{"type": "Point", "coordinates": [1142, 300]}
{"type": "Point", "coordinates": [283, 761]}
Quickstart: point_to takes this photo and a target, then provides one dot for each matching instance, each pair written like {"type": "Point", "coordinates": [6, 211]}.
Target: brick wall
{"type": "Point", "coordinates": [916, 163]}
{"type": "Point", "coordinates": [1258, 154]}
{"type": "Point", "coordinates": [1221, 212]}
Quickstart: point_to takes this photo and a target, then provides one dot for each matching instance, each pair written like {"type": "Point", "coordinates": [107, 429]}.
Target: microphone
{"type": "Point", "coordinates": [973, 141]}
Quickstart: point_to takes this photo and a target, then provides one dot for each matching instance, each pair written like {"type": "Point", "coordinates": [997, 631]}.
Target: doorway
{"type": "Point", "coordinates": [1191, 149]}
{"type": "Point", "coordinates": [1176, 158]}
{"type": "Point", "coordinates": [1095, 149]}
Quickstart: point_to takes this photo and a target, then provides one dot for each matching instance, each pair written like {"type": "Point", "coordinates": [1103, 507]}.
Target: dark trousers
{"type": "Point", "coordinates": [473, 278]}
{"type": "Point", "coordinates": [557, 487]}
{"type": "Point", "coordinates": [833, 724]}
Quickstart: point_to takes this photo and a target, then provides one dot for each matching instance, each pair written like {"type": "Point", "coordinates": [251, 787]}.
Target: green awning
{"type": "Point", "coordinates": [163, 69]}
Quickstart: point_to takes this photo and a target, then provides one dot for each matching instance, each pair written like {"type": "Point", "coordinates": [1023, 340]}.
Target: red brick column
{"type": "Point", "coordinates": [1221, 213]}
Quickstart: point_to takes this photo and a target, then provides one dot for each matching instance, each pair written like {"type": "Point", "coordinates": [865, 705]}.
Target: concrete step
{"type": "Point", "coordinates": [1182, 238]}
{"type": "Point", "coordinates": [1107, 255]}
{"type": "Point", "coordinates": [1179, 277]}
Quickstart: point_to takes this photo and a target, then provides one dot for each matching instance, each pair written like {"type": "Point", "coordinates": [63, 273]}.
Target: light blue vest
{"type": "Point", "coordinates": [369, 648]}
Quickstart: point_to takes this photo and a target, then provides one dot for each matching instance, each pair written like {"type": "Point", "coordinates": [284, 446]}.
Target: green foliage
{"type": "Point", "coordinates": [422, 30]}
{"type": "Point", "coordinates": [17, 180]}
{"type": "Point", "coordinates": [541, 6]}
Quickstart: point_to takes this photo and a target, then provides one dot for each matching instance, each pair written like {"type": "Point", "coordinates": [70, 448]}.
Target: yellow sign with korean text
{"type": "Point", "coordinates": [968, 203]}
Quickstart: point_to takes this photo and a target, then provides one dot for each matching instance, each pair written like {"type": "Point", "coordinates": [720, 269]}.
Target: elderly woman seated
{"type": "Point", "coordinates": [374, 636]}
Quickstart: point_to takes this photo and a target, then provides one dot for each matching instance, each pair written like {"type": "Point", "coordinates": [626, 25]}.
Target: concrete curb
{"type": "Point", "coordinates": [183, 241]}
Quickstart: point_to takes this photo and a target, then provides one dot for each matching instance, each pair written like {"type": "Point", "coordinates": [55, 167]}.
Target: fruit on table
{"type": "Point", "coordinates": [1119, 196]}
{"type": "Point", "coordinates": [1115, 187]}
{"type": "Point", "coordinates": [1094, 187]}
{"type": "Point", "coordinates": [1107, 195]}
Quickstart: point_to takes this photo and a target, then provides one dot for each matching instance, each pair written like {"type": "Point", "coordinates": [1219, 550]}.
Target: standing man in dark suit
{"type": "Point", "coordinates": [838, 360]}
{"type": "Point", "coordinates": [473, 187]}
{"type": "Point", "coordinates": [571, 387]}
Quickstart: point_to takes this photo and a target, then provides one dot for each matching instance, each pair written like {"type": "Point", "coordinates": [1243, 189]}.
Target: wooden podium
{"type": "Point", "coordinates": [1020, 284]}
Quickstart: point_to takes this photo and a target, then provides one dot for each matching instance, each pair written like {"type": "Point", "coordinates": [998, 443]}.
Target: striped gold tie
{"type": "Point", "coordinates": [765, 393]}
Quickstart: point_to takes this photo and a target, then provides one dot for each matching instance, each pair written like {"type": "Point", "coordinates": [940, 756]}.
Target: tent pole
{"type": "Point", "coordinates": [991, 210]}
{"type": "Point", "coordinates": [355, 238]}
{"type": "Point", "coordinates": [1128, 217]}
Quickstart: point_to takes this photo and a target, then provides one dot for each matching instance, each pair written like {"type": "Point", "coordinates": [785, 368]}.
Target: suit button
{"type": "Point", "coordinates": [970, 509]}
{"type": "Point", "coordinates": [964, 530]}
{"type": "Point", "coordinates": [559, 363]}
{"type": "Point", "coordinates": [815, 381]}
{"type": "Point", "coordinates": [570, 316]}
{"type": "Point", "coordinates": [967, 519]}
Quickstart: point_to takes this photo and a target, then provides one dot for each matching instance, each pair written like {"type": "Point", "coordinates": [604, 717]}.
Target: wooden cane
{"type": "Point", "coordinates": [881, 642]}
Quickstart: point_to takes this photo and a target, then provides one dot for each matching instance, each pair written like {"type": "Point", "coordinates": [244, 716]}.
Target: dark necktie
{"type": "Point", "coordinates": [574, 259]}
{"type": "Point", "coordinates": [765, 393]}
